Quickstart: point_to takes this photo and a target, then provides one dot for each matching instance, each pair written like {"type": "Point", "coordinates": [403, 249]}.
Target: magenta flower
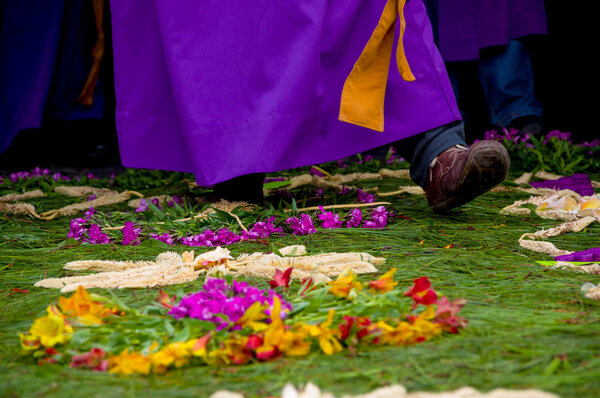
{"type": "Point", "coordinates": [355, 218]}
{"type": "Point", "coordinates": [302, 226]}
{"type": "Point", "coordinates": [330, 220]}
{"type": "Point", "coordinates": [97, 237]}
{"type": "Point", "coordinates": [130, 234]}
{"type": "Point", "coordinates": [176, 199]}
{"type": "Point", "coordinates": [91, 197]}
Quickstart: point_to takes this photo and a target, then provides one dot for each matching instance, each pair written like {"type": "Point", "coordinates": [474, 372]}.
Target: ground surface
{"type": "Point", "coordinates": [529, 327]}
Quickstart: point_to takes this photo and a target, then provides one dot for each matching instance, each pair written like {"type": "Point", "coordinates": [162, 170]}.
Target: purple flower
{"type": "Point", "coordinates": [77, 229]}
{"type": "Point", "coordinates": [319, 192]}
{"type": "Point", "coordinates": [302, 226]}
{"type": "Point", "coordinates": [13, 177]}
{"type": "Point", "coordinates": [316, 172]}
{"type": "Point", "coordinates": [91, 197]}
{"type": "Point", "coordinates": [378, 218]}
{"type": "Point", "coordinates": [206, 238]}
{"type": "Point", "coordinates": [559, 135]}
{"type": "Point", "coordinates": [156, 203]}
{"type": "Point", "coordinates": [165, 238]}
{"type": "Point", "coordinates": [225, 236]}
{"type": "Point", "coordinates": [368, 158]}
{"type": "Point", "coordinates": [176, 199]}
{"type": "Point", "coordinates": [89, 213]}
{"type": "Point", "coordinates": [355, 218]}
{"type": "Point", "coordinates": [262, 229]}
{"type": "Point", "coordinates": [330, 219]}
{"type": "Point", "coordinates": [65, 178]}
{"type": "Point", "coordinates": [97, 237]}
{"type": "Point", "coordinates": [142, 207]}
{"type": "Point", "coordinates": [224, 304]}
{"type": "Point", "coordinates": [130, 234]}
{"type": "Point", "coordinates": [365, 197]}
{"type": "Point", "coordinates": [345, 190]}
{"type": "Point", "coordinates": [56, 176]}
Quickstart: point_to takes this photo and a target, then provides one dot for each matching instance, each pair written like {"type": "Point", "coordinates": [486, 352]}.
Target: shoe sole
{"type": "Point", "coordinates": [486, 166]}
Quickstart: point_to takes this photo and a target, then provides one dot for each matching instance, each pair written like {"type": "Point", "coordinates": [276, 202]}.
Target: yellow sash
{"type": "Point", "coordinates": [363, 94]}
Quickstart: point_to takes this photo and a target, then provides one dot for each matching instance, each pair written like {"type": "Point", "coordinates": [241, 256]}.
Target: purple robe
{"type": "Point", "coordinates": [226, 88]}
{"type": "Point", "coordinates": [466, 26]}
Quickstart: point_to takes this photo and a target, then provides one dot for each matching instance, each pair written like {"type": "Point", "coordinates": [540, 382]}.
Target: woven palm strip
{"type": "Point", "coordinates": [19, 208]}
{"type": "Point", "coordinates": [529, 240]}
{"type": "Point", "coordinates": [586, 269]}
{"type": "Point", "coordinates": [12, 197]}
{"type": "Point", "coordinates": [170, 268]}
{"type": "Point", "coordinates": [83, 190]}
{"type": "Point", "coordinates": [399, 391]}
{"type": "Point", "coordinates": [103, 200]}
{"type": "Point", "coordinates": [410, 189]}
{"type": "Point", "coordinates": [516, 209]}
{"type": "Point", "coordinates": [339, 181]}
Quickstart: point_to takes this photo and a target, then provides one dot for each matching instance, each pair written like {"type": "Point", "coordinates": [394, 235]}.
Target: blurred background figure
{"type": "Point", "coordinates": [495, 35]}
{"type": "Point", "coordinates": [52, 101]}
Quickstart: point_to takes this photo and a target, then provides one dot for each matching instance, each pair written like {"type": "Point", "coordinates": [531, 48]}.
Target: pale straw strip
{"type": "Point", "coordinates": [410, 189]}
{"type": "Point", "coordinates": [11, 197]}
{"type": "Point", "coordinates": [77, 191]}
{"type": "Point", "coordinates": [104, 200]}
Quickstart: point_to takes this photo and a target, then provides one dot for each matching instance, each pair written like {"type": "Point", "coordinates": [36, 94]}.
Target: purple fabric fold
{"type": "Point", "coordinates": [579, 183]}
{"type": "Point", "coordinates": [584, 255]}
{"type": "Point", "coordinates": [466, 26]}
{"type": "Point", "coordinates": [227, 88]}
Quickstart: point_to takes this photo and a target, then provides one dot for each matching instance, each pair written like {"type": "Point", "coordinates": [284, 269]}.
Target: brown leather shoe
{"type": "Point", "coordinates": [458, 175]}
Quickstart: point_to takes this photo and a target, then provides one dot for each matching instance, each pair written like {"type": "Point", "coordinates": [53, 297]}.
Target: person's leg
{"type": "Point", "coordinates": [506, 77]}
{"type": "Point", "coordinates": [450, 173]}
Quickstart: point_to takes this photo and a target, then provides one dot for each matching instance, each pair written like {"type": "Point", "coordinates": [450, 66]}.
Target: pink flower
{"type": "Point", "coordinates": [95, 360]}
{"type": "Point", "coordinates": [330, 219]}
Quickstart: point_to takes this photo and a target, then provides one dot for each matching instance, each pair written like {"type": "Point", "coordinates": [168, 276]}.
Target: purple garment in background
{"type": "Point", "coordinates": [226, 88]}
{"type": "Point", "coordinates": [579, 183]}
{"type": "Point", "coordinates": [583, 256]}
{"type": "Point", "coordinates": [466, 26]}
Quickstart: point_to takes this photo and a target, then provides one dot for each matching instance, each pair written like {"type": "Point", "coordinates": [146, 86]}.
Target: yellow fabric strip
{"type": "Point", "coordinates": [363, 94]}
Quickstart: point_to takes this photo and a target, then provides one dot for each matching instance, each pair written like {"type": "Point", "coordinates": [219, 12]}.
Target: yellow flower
{"type": "Point", "coordinates": [399, 335]}
{"type": "Point", "coordinates": [29, 342]}
{"type": "Point", "coordinates": [273, 333]}
{"type": "Point", "coordinates": [294, 342]}
{"type": "Point", "coordinates": [328, 338]}
{"type": "Point", "coordinates": [129, 363]}
{"type": "Point", "coordinates": [423, 328]}
{"type": "Point", "coordinates": [177, 354]}
{"type": "Point", "coordinates": [255, 313]}
{"type": "Point", "coordinates": [198, 346]}
{"type": "Point", "coordinates": [343, 285]}
{"type": "Point", "coordinates": [385, 283]}
{"type": "Point", "coordinates": [51, 330]}
{"type": "Point", "coordinates": [81, 306]}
